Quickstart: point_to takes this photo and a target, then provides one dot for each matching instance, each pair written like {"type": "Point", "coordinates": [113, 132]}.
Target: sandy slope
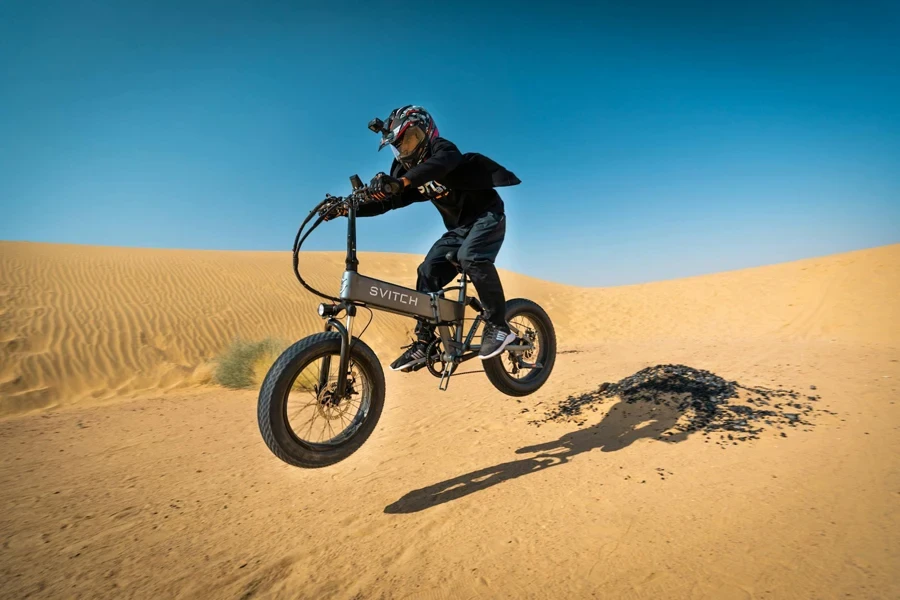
{"type": "Point", "coordinates": [81, 323]}
{"type": "Point", "coordinates": [456, 495]}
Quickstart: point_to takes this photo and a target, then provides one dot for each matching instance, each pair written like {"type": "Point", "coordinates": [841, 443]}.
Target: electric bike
{"type": "Point", "coordinates": [321, 399]}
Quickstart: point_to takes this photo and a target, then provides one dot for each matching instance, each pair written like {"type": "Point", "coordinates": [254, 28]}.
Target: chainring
{"type": "Point", "coordinates": [434, 360]}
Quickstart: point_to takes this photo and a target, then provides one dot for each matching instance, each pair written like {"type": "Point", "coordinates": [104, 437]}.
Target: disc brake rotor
{"type": "Point", "coordinates": [328, 407]}
{"type": "Point", "coordinates": [529, 336]}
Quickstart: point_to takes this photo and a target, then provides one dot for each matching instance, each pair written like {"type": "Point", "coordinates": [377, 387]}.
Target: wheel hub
{"type": "Point", "coordinates": [329, 406]}
{"type": "Point", "coordinates": [517, 358]}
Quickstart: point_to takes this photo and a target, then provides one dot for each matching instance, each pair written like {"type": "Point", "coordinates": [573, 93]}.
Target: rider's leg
{"type": "Point", "coordinates": [433, 274]}
{"type": "Point", "coordinates": [477, 255]}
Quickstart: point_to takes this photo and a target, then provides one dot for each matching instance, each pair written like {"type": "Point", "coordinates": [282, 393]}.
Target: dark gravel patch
{"type": "Point", "coordinates": [706, 402]}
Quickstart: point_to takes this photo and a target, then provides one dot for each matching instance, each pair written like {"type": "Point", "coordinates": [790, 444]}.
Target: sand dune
{"type": "Point", "coordinates": [173, 494]}
{"type": "Point", "coordinates": [82, 324]}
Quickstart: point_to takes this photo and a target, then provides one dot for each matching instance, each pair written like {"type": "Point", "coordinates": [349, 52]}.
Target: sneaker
{"type": "Point", "coordinates": [412, 359]}
{"type": "Point", "coordinates": [494, 340]}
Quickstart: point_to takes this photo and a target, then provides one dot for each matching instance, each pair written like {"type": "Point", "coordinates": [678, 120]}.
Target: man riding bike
{"type": "Point", "coordinates": [461, 187]}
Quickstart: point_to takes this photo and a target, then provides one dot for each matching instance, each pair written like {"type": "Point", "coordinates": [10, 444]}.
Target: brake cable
{"type": "Point", "coordinates": [298, 242]}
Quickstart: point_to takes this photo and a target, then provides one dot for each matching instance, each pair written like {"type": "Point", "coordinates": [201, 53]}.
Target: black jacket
{"type": "Point", "coordinates": [461, 186]}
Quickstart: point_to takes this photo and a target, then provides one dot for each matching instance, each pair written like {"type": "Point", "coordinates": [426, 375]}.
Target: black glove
{"type": "Point", "coordinates": [333, 210]}
{"type": "Point", "coordinates": [383, 186]}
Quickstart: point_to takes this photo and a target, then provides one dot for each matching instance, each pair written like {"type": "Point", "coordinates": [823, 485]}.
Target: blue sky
{"type": "Point", "coordinates": [654, 140]}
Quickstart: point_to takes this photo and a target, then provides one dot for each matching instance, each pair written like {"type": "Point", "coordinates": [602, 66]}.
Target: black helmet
{"type": "Point", "coordinates": [409, 132]}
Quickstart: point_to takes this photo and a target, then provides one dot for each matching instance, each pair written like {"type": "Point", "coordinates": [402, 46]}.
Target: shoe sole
{"type": "Point", "coordinates": [510, 338]}
{"type": "Point", "coordinates": [408, 365]}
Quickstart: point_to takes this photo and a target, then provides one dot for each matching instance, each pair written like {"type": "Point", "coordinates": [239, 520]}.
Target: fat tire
{"type": "Point", "coordinates": [493, 367]}
{"type": "Point", "coordinates": [271, 410]}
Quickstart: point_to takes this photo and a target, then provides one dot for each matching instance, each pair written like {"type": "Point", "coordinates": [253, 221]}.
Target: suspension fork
{"type": "Point", "coordinates": [351, 264]}
{"type": "Point", "coordinates": [344, 361]}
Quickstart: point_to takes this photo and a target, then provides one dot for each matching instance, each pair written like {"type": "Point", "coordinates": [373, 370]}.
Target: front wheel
{"type": "Point", "coordinates": [301, 420]}
{"type": "Point", "coordinates": [519, 373]}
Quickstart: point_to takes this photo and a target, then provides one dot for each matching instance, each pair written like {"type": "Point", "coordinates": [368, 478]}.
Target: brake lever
{"type": "Point", "coordinates": [330, 204]}
{"type": "Point", "coordinates": [363, 195]}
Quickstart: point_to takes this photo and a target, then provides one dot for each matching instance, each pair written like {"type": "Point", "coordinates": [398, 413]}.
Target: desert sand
{"type": "Point", "coordinates": [127, 474]}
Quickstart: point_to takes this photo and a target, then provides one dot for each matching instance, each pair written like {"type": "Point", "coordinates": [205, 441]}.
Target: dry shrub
{"type": "Point", "coordinates": [245, 363]}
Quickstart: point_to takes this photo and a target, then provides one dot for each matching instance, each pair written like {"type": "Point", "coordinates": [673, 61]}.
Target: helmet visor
{"type": "Point", "coordinates": [404, 139]}
{"type": "Point", "coordinates": [409, 142]}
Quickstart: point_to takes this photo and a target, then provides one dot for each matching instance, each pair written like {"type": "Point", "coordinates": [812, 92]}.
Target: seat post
{"type": "Point", "coordinates": [452, 258]}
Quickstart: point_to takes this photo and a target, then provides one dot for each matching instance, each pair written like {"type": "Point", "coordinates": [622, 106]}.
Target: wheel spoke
{"type": "Point", "coordinates": [324, 427]}
{"type": "Point", "coordinates": [340, 417]}
{"type": "Point", "coordinates": [524, 366]}
{"type": "Point", "coordinates": [312, 421]}
{"type": "Point", "coordinates": [330, 428]}
{"type": "Point", "coordinates": [305, 406]}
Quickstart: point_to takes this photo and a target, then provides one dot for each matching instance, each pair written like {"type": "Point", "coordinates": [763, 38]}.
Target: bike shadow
{"type": "Point", "coordinates": [623, 424]}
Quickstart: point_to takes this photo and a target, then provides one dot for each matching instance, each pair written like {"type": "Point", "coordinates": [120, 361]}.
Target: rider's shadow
{"type": "Point", "coordinates": [624, 424]}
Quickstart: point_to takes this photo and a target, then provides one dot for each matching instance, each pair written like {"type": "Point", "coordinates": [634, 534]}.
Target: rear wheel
{"type": "Point", "coordinates": [301, 420]}
{"type": "Point", "coordinates": [519, 373]}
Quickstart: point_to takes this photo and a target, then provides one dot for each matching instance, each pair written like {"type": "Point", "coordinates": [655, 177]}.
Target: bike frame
{"type": "Point", "coordinates": [357, 290]}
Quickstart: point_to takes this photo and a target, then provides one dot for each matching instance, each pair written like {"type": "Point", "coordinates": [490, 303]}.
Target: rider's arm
{"type": "Point", "coordinates": [404, 198]}
{"type": "Point", "coordinates": [444, 158]}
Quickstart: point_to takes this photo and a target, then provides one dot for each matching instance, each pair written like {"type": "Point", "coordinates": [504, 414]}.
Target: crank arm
{"type": "Point", "coordinates": [525, 365]}
{"type": "Point", "coordinates": [520, 347]}
{"type": "Point", "coordinates": [449, 368]}
{"type": "Point", "coordinates": [445, 377]}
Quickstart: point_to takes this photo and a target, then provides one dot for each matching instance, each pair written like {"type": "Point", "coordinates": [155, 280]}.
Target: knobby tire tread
{"type": "Point", "coordinates": [274, 391]}
{"type": "Point", "coordinates": [493, 367]}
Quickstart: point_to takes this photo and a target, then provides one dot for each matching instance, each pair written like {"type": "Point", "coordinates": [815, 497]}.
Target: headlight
{"type": "Point", "coordinates": [329, 310]}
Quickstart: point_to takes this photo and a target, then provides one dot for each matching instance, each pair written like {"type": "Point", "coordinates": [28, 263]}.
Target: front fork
{"type": "Point", "coordinates": [344, 361]}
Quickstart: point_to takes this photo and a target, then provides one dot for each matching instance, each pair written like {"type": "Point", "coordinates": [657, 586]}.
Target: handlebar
{"type": "Point", "coordinates": [360, 195]}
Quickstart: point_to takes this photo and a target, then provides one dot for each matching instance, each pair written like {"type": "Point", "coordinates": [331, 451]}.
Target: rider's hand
{"type": "Point", "coordinates": [333, 211]}
{"type": "Point", "coordinates": [383, 186]}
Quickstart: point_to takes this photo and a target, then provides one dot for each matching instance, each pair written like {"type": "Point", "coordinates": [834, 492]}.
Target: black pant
{"type": "Point", "coordinates": [477, 246]}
